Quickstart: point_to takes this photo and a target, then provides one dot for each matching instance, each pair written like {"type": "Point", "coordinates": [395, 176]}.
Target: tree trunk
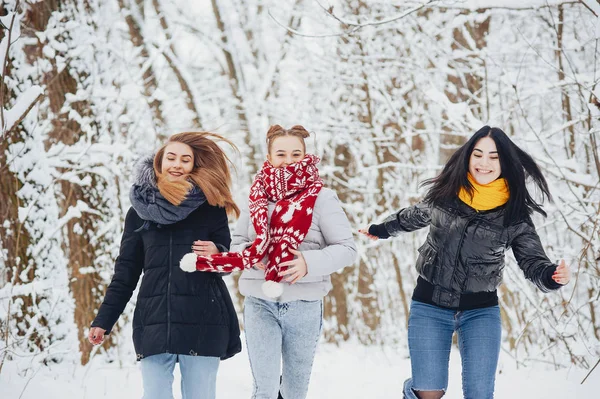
{"type": "Point", "coordinates": [19, 266]}
{"type": "Point", "coordinates": [467, 87]}
{"type": "Point", "coordinates": [148, 75]}
{"type": "Point", "coordinates": [235, 81]}
{"type": "Point", "coordinates": [79, 246]}
{"type": "Point", "coordinates": [183, 82]}
{"type": "Point", "coordinates": [566, 101]}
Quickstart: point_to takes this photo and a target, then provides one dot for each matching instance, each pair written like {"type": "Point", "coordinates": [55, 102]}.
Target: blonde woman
{"type": "Point", "coordinates": [180, 199]}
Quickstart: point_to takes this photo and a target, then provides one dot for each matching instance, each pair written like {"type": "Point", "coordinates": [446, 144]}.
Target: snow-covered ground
{"type": "Point", "coordinates": [347, 371]}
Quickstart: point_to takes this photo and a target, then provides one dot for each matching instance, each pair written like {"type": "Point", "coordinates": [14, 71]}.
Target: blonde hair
{"type": "Point", "coordinates": [276, 131]}
{"type": "Point", "coordinates": [210, 171]}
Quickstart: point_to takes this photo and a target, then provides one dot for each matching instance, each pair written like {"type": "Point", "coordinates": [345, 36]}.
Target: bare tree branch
{"type": "Point", "coordinates": [593, 368]}
{"type": "Point", "coordinates": [355, 25]}
{"type": "Point", "coordinates": [7, 129]}
{"type": "Point", "coordinates": [585, 4]}
{"type": "Point", "coordinates": [5, 64]}
{"type": "Point", "coordinates": [171, 57]}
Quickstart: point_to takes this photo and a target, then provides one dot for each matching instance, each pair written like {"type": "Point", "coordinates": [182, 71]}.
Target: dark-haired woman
{"type": "Point", "coordinates": [180, 200]}
{"type": "Point", "coordinates": [477, 208]}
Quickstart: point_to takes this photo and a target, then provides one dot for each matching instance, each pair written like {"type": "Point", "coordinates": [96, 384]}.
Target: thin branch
{"type": "Point", "coordinates": [528, 8]}
{"type": "Point", "coordinates": [355, 25]}
{"type": "Point", "coordinates": [149, 81]}
{"type": "Point", "coordinates": [23, 115]}
{"type": "Point", "coordinates": [297, 33]}
{"type": "Point", "coordinates": [329, 11]}
{"type": "Point", "coordinates": [588, 374]}
{"type": "Point", "coordinates": [593, 12]}
{"type": "Point", "coordinates": [5, 65]}
{"type": "Point", "coordinates": [171, 60]}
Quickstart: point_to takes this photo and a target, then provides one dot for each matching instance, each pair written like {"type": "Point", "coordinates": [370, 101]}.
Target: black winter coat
{"type": "Point", "coordinates": [176, 312]}
{"type": "Point", "coordinates": [464, 250]}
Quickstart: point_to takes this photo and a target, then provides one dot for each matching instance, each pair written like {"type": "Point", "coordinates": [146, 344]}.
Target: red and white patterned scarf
{"type": "Point", "coordinates": [294, 189]}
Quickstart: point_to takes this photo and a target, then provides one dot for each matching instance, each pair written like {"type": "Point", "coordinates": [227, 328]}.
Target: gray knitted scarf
{"type": "Point", "coordinates": [150, 204]}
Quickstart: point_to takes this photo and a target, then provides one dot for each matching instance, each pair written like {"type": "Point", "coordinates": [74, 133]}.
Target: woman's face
{"type": "Point", "coordinates": [177, 161]}
{"type": "Point", "coordinates": [286, 150]}
{"type": "Point", "coordinates": [484, 164]}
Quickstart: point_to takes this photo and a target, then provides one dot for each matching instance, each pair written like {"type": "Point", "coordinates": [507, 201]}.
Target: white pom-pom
{"type": "Point", "coordinates": [188, 262]}
{"type": "Point", "coordinates": [272, 289]}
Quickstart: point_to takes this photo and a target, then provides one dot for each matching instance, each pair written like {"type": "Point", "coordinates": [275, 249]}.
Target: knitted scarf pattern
{"type": "Point", "coordinates": [294, 189]}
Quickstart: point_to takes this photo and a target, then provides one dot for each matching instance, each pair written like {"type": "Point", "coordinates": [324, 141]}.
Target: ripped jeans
{"type": "Point", "coordinates": [430, 330]}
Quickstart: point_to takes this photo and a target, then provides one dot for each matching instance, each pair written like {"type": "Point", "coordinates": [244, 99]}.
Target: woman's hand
{"type": "Point", "coordinates": [96, 335]}
{"type": "Point", "coordinates": [562, 275]}
{"type": "Point", "coordinates": [205, 248]}
{"type": "Point", "coordinates": [260, 265]}
{"type": "Point", "coordinates": [365, 231]}
{"type": "Point", "coordinates": [296, 268]}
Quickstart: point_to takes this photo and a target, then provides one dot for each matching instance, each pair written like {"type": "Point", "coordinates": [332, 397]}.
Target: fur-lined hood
{"type": "Point", "coordinates": [144, 171]}
{"type": "Point", "coordinates": [151, 205]}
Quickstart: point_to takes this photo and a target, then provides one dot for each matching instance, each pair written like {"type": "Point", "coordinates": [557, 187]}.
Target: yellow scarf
{"type": "Point", "coordinates": [485, 197]}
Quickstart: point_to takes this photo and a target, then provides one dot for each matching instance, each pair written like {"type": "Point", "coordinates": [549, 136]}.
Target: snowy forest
{"type": "Point", "coordinates": [388, 90]}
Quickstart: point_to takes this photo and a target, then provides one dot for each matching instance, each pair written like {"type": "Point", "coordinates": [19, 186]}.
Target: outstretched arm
{"type": "Point", "coordinates": [532, 259]}
{"type": "Point", "coordinates": [407, 219]}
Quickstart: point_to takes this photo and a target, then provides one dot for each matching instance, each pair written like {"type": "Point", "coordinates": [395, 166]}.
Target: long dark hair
{"type": "Point", "coordinates": [516, 165]}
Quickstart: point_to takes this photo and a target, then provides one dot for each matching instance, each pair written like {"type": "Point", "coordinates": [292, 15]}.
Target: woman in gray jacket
{"type": "Point", "coordinates": [291, 237]}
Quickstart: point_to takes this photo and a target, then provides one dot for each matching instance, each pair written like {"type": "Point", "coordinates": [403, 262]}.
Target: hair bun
{"type": "Point", "coordinates": [273, 130]}
{"type": "Point", "coordinates": [299, 129]}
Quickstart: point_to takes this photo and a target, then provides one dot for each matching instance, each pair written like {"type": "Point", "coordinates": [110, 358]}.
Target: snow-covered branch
{"type": "Point", "coordinates": [25, 102]}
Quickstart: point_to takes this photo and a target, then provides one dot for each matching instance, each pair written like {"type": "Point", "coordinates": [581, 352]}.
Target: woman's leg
{"type": "Point", "coordinates": [479, 334]}
{"type": "Point", "coordinates": [157, 375]}
{"type": "Point", "coordinates": [430, 330]}
{"type": "Point", "coordinates": [198, 376]}
{"type": "Point", "coordinates": [301, 323]}
{"type": "Point", "coordinates": [263, 342]}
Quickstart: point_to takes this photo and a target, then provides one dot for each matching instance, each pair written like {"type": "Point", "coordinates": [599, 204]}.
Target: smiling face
{"type": "Point", "coordinates": [177, 161]}
{"type": "Point", "coordinates": [484, 163]}
{"type": "Point", "coordinates": [286, 150]}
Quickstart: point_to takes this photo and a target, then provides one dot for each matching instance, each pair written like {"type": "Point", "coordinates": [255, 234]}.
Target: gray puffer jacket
{"type": "Point", "coordinates": [464, 250]}
{"type": "Point", "coordinates": [327, 247]}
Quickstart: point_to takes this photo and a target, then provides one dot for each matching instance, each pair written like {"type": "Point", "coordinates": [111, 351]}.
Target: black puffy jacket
{"type": "Point", "coordinates": [464, 250]}
{"type": "Point", "coordinates": [176, 312]}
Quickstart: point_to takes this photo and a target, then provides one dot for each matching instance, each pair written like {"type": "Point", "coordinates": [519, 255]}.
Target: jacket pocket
{"type": "Point", "coordinates": [427, 257]}
{"type": "Point", "coordinates": [483, 274]}
{"type": "Point", "coordinates": [216, 304]}
{"type": "Point", "coordinates": [138, 314]}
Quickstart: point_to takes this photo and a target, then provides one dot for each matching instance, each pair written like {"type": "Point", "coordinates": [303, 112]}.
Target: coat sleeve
{"type": "Point", "coordinates": [407, 219]}
{"type": "Point", "coordinates": [128, 267]}
{"type": "Point", "coordinates": [220, 234]}
{"type": "Point", "coordinates": [240, 239]}
{"type": "Point", "coordinates": [532, 259]}
{"type": "Point", "coordinates": [340, 250]}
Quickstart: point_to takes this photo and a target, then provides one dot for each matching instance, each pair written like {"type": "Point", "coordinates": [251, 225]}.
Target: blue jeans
{"type": "Point", "coordinates": [430, 330]}
{"type": "Point", "coordinates": [277, 331]}
{"type": "Point", "coordinates": [198, 376]}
